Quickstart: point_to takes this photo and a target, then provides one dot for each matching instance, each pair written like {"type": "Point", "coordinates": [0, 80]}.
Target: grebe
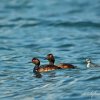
{"type": "Point", "coordinates": [42, 68]}
{"type": "Point", "coordinates": [51, 60]}
{"type": "Point", "coordinates": [90, 64]}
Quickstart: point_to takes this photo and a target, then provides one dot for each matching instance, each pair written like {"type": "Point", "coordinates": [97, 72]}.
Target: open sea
{"type": "Point", "coordinates": [69, 29]}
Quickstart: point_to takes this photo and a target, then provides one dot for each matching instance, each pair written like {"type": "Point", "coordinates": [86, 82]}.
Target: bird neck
{"type": "Point", "coordinates": [36, 68]}
{"type": "Point", "coordinates": [35, 71]}
{"type": "Point", "coordinates": [51, 62]}
{"type": "Point", "coordinates": [88, 64]}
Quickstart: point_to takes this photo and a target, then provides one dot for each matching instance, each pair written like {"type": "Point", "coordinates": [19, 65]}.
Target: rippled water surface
{"type": "Point", "coordinates": [70, 29]}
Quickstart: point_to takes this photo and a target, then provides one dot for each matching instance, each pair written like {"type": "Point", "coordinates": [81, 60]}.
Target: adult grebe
{"type": "Point", "coordinates": [51, 60]}
{"type": "Point", "coordinates": [42, 68]}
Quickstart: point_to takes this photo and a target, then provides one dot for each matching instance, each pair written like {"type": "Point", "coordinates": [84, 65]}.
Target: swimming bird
{"type": "Point", "coordinates": [42, 68]}
{"type": "Point", "coordinates": [51, 60]}
{"type": "Point", "coordinates": [90, 63]}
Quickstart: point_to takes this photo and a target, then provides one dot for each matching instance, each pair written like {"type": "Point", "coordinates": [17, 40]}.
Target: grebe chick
{"type": "Point", "coordinates": [90, 64]}
{"type": "Point", "coordinates": [42, 68]}
{"type": "Point", "coordinates": [51, 60]}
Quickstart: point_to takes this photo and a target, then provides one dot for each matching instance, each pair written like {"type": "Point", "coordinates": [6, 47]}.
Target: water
{"type": "Point", "coordinates": [70, 29]}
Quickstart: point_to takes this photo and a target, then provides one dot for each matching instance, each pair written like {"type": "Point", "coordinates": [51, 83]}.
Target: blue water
{"type": "Point", "coordinates": [69, 29]}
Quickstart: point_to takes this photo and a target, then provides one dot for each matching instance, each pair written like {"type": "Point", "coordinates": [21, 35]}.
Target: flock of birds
{"type": "Point", "coordinates": [51, 66]}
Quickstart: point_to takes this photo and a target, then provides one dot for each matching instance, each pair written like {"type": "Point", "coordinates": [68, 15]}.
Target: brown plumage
{"type": "Point", "coordinates": [51, 60]}
{"type": "Point", "coordinates": [42, 68]}
{"type": "Point", "coordinates": [65, 65]}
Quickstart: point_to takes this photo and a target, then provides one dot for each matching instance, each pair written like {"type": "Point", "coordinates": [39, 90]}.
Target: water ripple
{"type": "Point", "coordinates": [7, 25]}
{"type": "Point", "coordinates": [74, 24]}
{"type": "Point", "coordinates": [30, 22]}
{"type": "Point", "coordinates": [93, 78]}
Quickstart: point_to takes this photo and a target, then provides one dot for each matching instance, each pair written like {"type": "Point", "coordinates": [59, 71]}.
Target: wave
{"type": "Point", "coordinates": [93, 78]}
{"type": "Point", "coordinates": [7, 25]}
{"type": "Point", "coordinates": [74, 24]}
{"type": "Point", "coordinates": [31, 22]}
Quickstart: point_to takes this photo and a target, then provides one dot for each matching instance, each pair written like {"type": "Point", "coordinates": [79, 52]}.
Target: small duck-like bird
{"type": "Point", "coordinates": [51, 60]}
{"type": "Point", "coordinates": [42, 68]}
{"type": "Point", "coordinates": [90, 64]}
